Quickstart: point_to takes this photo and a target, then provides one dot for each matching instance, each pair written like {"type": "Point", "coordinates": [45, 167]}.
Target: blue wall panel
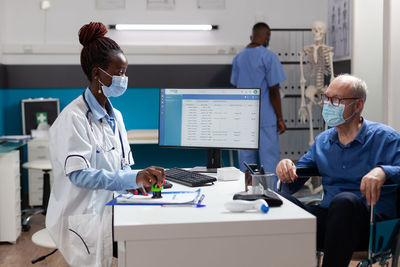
{"type": "Point", "coordinates": [2, 132]}
{"type": "Point", "coordinates": [139, 107]}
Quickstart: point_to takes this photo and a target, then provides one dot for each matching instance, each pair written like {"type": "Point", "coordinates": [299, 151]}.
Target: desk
{"type": "Point", "coordinates": [212, 236]}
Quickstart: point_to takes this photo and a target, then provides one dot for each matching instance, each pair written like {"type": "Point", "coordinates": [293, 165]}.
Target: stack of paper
{"type": "Point", "coordinates": [168, 198]}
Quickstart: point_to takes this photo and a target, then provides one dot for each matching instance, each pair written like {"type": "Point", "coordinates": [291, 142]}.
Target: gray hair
{"type": "Point", "coordinates": [359, 86]}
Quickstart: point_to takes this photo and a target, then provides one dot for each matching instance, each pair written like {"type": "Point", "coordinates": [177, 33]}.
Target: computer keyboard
{"type": "Point", "coordinates": [188, 178]}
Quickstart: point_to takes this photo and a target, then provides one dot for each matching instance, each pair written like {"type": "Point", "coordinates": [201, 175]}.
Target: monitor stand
{"type": "Point", "coordinates": [213, 161]}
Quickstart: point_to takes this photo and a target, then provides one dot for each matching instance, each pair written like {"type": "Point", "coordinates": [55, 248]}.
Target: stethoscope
{"type": "Point", "coordinates": [103, 149]}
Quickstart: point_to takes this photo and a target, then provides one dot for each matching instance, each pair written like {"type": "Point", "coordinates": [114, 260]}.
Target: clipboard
{"type": "Point", "coordinates": [170, 198]}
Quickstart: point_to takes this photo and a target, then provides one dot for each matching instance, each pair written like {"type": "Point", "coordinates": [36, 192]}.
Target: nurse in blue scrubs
{"type": "Point", "coordinates": [258, 67]}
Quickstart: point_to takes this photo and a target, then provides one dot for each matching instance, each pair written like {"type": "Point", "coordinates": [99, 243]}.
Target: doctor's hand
{"type": "Point", "coordinates": [286, 171]}
{"type": "Point", "coordinates": [150, 176]}
{"type": "Point", "coordinates": [371, 185]}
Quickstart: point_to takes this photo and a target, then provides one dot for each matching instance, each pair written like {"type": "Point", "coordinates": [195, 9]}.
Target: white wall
{"type": "Point", "coordinates": [31, 35]}
{"type": "Point", "coordinates": [367, 53]}
{"type": "Point", "coordinates": [2, 22]}
{"type": "Point", "coordinates": [391, 64]}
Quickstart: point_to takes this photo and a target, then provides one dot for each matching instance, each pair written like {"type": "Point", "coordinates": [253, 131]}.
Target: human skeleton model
{"type": "Point", "coordinates": [319, 59]}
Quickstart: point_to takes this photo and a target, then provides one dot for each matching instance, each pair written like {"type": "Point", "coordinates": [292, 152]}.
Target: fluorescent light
{"type": "Point", "coordinates": [163, 27]}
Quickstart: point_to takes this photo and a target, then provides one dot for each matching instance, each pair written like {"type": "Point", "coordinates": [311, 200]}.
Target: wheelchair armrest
{"type": "Point", "coordinates": [307, 171]}
{"type": "Point", "coordinates": [389, 183]}
{"type": "Point", "coordinates": [302, 172]}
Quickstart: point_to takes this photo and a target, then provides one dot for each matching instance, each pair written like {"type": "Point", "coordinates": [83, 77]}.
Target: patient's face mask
{"type": "Point", "coordinates": [118, 85]}
{"type": "Point", "coordinates": [333, 115]}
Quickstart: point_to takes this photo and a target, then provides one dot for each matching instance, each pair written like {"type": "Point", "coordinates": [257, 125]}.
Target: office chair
{"type": "Point", "coordinates": [45, 167]}
{"type": "Point", "coordinates": [42, 238]}
{"type": "Point", "coordinates": [384, 241]}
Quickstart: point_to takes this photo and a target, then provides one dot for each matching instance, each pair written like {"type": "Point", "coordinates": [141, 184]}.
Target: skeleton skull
{"type": "Point", "coordinates": [318, 30]}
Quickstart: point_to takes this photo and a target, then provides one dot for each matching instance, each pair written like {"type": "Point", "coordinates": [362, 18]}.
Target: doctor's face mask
{"type": "Point", "coordinates": [118, 85]}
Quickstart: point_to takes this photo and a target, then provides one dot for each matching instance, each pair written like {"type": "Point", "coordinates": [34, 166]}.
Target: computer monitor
{"type": "Point", "coordinates": [210, 118]}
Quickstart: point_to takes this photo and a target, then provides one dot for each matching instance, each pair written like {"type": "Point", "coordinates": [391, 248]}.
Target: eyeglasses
{"type": "Point", "coordinates": [334, 100]}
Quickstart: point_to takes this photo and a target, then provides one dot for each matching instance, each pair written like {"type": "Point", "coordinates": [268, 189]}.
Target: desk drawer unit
{"type": "Point", "coordinates": [10, 196]}
{"type": "Point", "coordinates": [38, 149]}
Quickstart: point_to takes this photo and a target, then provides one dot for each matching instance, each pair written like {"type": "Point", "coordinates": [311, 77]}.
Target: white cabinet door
{"type": "Point", "coordinates": [10, 196]}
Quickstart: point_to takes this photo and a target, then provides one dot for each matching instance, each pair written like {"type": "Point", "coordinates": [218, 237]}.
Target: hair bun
{"type": "Point", "coordinates": [91, 32]}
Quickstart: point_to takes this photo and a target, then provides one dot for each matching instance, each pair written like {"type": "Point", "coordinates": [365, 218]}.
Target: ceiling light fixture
{"type": "Point", "coordinates": [163, 27]}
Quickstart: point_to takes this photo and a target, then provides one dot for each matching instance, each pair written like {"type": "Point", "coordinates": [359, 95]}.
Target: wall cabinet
{"type": "Point", "coordinates": [287, 45]}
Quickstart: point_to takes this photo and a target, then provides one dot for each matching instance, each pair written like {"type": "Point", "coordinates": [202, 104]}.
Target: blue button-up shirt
{"type": "Point", "coordinates": [343, 167]}
{"type": "Point", "coordinates": [98, 112]}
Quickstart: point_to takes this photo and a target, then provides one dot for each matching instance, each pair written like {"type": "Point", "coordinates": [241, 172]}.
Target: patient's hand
{"type": "Point", "coordinates": [286, 171]}
{"type": "Point", "coordinates": [371, 185]}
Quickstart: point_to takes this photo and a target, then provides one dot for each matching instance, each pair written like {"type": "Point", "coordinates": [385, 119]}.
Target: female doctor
{"type": "Point", "coordinates": [90, 156]}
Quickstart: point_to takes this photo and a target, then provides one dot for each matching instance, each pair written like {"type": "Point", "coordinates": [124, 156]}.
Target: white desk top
{"type": "Point", "coordinates": [150, 222]}
{"type": "Point", "coordinates": [143, 136]}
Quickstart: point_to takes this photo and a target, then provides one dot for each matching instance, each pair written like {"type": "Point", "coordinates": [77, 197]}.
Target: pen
{"type": "Point", "coordinates": [248, 167]}
{"type": "Point", "coordinates": [200, 200]}
{"type": "Point", "coordinates": [143, 190]}
{"type": "Point", "coordinates": [262, 170]}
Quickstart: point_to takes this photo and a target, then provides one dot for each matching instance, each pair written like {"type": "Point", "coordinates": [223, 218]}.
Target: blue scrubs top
{"type": "Point", "coordinates": [342, 167]}
{"type": "Point", "coordinates": [260, 68]}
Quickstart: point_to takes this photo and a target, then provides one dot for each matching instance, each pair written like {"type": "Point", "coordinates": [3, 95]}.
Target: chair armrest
{"type": "Point", "coordinates": [302, 172]}
{"type": "Point", "coordinates": [389, 184]}
{"type": "Point", "coordinates": [307, 171]}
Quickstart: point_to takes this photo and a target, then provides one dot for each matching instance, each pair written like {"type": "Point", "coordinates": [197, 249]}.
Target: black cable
{"type": "Point", "coordinates": [43, 257]}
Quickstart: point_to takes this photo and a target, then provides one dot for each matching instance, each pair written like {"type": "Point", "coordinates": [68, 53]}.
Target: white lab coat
{"type": "Point", "coordinates": [77, 218]}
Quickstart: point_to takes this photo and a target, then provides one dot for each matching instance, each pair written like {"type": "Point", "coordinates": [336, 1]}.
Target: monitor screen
{"type": "Point", "coordinates": [212, 118]}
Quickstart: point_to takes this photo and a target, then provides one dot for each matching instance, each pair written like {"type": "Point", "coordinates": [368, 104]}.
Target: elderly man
{"type": "Point", "coordinates": [354, 157]}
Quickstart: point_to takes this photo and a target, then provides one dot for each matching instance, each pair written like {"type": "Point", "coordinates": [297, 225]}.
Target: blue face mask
{"type": "Point", "coordinates": [333, 116]}
{"type": "Point", "coordinates": [118, 85]}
